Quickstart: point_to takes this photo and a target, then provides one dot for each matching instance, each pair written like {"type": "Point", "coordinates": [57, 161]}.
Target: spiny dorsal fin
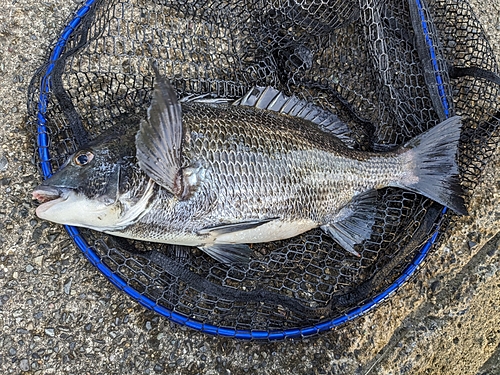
{"type": "Point", "coordinates": [159, 139]}
{"type": "Point", "coordinates": [270, 99]}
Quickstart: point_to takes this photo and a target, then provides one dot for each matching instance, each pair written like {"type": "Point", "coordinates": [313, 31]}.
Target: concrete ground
{"type": "Point", "coordinates": [59, 315]}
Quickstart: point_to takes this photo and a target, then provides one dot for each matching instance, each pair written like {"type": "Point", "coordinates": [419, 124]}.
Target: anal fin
{"type": "Point", "coordinates": [354, 222]}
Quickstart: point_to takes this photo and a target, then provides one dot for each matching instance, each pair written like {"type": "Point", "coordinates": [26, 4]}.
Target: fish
{"type": "Point", "coordinates": [221, 175]}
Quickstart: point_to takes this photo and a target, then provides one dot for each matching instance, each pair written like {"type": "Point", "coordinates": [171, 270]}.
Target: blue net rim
{"type": "Point", "coordinates": [93, 257]}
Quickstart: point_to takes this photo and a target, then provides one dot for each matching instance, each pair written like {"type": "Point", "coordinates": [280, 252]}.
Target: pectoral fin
{"type": "Point", "coordinates": [159, 139]}
{"type": "Point", "coordinates": [354, 222]}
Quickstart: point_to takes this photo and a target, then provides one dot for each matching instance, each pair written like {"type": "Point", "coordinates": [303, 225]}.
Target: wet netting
{"type": "Point", "coordinates": [389, 69]}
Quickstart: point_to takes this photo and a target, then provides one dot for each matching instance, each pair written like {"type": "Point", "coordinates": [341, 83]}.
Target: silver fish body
{"type": "Point", "coordinates": [220, 176]}
{"type": "Point", "coordinates": [280, 167]}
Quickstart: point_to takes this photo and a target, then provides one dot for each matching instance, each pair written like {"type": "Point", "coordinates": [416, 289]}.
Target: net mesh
{"type": "Point", "coordinates": [390, 70]}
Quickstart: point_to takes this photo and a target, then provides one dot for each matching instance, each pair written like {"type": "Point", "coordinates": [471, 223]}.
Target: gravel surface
{"type": "Point", "coordinates": [59, 315]}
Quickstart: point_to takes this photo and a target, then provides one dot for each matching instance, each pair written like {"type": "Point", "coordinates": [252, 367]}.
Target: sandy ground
{"type": "Point", "coordinates": [59, 315]}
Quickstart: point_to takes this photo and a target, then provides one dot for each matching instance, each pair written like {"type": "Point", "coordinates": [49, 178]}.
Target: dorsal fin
{"type": "Point", "coordinates": [270, 99]}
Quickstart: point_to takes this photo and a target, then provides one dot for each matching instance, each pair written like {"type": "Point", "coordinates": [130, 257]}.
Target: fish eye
{"type": "Point", "coordinates": [83, 158]}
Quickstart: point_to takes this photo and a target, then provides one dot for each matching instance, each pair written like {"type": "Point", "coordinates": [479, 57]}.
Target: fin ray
{"type": "Point", "coordinates": [435, 166]}
{"type": "Point", "coordinates": [270, 99]}
{"type": "Point", "coordinates": [228, 253]}
{"type": "Point", "coordinates": [159, 139]}
{"type": "Point", "coordinates": [354, 222]}
{"type": "Point", "coordinates": [234, 227]}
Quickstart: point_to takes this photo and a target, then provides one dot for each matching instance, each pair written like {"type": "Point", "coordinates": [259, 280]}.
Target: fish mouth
{"type": "Point", "coordinates": [48, 196]}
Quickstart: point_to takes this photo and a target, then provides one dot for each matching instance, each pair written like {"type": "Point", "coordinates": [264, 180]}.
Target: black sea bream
{"type": "Point", "coordinates": [221, 176]}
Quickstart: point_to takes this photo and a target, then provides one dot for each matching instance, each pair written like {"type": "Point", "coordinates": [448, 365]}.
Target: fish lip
{"type": "Point", "coordinates": [49, 196]}
{"type": "Point", "coordinates": [44, 194]}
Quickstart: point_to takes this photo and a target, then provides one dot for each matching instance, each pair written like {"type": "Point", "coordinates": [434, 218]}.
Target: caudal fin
{"type": "Point", "coordinates": [434, 158]}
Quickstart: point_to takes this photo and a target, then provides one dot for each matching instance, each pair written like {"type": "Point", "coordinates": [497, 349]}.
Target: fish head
{"type": "Point", "coordinates": [92, 186]}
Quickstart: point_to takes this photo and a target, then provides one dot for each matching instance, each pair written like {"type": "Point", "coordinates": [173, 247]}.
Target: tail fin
{"type": "Point", "coordinates": [434, 157]}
